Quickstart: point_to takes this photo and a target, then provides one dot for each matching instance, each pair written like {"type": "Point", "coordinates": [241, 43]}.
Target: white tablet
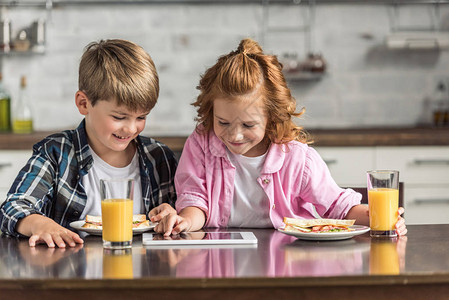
{"type": "Point", "coordinates": [200, 238]}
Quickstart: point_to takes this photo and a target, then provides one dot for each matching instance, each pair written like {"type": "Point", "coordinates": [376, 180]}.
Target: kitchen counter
{"type": "Point", "coordinates": [419, 136]}
{"type": "Point", "coordinates": [279, 267]}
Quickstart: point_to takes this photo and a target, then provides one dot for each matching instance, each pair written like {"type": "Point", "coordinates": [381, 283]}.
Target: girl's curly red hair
{"type": "Point", "coordinates": [244, 71]}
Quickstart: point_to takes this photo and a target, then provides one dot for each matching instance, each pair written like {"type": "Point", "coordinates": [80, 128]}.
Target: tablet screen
{"type": "Point", "coordinates": [200, 237]}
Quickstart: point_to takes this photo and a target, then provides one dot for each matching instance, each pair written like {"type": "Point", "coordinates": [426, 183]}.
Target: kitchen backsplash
{"type": "Point", "coordinates": [366, 84]}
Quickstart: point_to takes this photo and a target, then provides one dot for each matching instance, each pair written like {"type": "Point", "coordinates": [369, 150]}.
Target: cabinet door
{"type": "Point", "coordinates": [3, 192]}
{"type": "Point", "coordinates": [10, 164]}
{"type": "Point", "coordinates": [348, 165]}
{"type": "Point", "coordinates": [417, 166]}
{"type": "Point", "coordinates": [426, 205]}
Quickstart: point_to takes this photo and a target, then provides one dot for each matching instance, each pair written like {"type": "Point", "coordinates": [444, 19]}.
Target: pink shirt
{"type": "Point", "coordinates": [294, 177]}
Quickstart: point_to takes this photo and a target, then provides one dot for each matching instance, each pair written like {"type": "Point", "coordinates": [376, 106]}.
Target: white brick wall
{"type": "Point", "coordinates": [367, 84]}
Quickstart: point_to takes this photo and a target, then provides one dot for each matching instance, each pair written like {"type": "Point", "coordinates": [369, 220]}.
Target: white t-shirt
{"type": "Point", "coordinates": [250, 206]}
{"type": "Point", "coordinates": [102, 170]}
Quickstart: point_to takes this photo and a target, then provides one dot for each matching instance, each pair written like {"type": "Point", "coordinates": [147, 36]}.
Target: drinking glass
{"type": "Point", "coordinates": [117, 212]}
{"type": "Point", "coordinates": [383, 202]}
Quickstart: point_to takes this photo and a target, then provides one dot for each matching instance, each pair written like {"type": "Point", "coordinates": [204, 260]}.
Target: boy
{"type": "Point", "coordinates": [118, 87]}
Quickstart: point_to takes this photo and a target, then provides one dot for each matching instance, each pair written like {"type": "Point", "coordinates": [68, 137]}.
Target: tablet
{"type": "Point", "coordinates": [200, 238]}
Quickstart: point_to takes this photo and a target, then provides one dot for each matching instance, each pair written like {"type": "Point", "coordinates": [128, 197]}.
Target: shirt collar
{"type": "Point", "coordinates": [275, 158]}
{"type": "Point", "coordinates": [216, 146]}
{"type": "Point", "coordinates": [82, 149]}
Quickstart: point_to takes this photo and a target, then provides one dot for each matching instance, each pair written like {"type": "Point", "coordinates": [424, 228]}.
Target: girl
{"type": "Point", "coordinates": [248, 164]}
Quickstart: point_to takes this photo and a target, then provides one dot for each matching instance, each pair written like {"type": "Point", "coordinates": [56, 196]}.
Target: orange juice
{"type": "Point", "coordinates": [383, 208]}
{"type": "Point", "coordinates": [117, 218]}
{"type": "Point", "coordinates": [383, 258]}
{"type": "Point", "coordinates": [118, 265]}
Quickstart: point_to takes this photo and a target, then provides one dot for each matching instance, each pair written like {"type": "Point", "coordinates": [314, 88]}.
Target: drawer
{"type": "Point", "coordinates": [10, 164]}
{"type": "Point", "coordinates": [418, 166]}
{"type": "Point", "coordinates": [348, 165]}
{"type": "Point", "coordinates": [426, 205]}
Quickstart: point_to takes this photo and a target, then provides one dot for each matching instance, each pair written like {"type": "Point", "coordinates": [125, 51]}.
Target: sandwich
{"type": "Point", "coordinates": [317, 225]}
{"type": "Point", "coordinates": [94, 222]}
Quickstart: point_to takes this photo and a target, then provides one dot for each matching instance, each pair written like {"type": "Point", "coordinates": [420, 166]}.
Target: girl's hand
{"type": "Point", "coordinates": [400, 224]}
{"type": "Point", "coordinates": [172, 224]}
{"type": "Point", "coordinates": [158, 213]}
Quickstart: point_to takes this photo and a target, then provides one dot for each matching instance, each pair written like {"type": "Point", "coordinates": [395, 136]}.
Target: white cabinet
{"type": "Point", "coordinates": [11, 161]}
{"type": "Point", "coordinates": [427, 205]}
{"type": "Point", "coordinates": [418, 165]}
{"type": "Point", "coordinates": [423, 169]}
{"type": "Point", "coordinates": [425, 173]}
{"type": "Point", "coordinates": [348, 165]}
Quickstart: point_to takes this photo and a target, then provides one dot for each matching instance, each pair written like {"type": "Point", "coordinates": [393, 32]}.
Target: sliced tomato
{"type": "Point", "coordinates": [326, 228]}
{"type": "Point", "coordinates": [317, 228]}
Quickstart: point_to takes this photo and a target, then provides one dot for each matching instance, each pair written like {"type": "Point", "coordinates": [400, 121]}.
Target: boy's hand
{"type": "Point", "coordinates": [400, 224]}
{"type": "Point", "coordinates": [172, 224]}
{"type": "Point", "coordinates": [44, 230]}
{"type": "Point", "coordinates": [158, 213]}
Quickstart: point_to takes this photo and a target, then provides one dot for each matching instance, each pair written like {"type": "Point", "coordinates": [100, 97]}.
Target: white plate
{"type": "Point", "coordinates": [78, 226]}
{"type": "Point", "coordinates": [329, 236]}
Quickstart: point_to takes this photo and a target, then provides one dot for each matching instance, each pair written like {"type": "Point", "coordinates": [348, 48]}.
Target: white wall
{"type": "Point", "coordinates": [366, 84]}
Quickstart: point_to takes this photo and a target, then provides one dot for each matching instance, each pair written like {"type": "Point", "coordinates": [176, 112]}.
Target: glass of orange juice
{"type": "Point", "coordinates": [383, 202]}
{"type": "Point", "coordinates": [117, 212]}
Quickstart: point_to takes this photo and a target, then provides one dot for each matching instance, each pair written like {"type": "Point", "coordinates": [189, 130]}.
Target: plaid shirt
{"type": "Point", "coordinates": [50, 184]}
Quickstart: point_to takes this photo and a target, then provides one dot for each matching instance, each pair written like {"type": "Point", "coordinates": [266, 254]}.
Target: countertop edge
{"type": "Point", "coordinates": [247, 282]}
{"type": "Point", "coordinates": [322, 138]}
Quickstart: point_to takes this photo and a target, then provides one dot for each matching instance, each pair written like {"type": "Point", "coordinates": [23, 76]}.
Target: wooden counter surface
{"type": "Point", "coordinates": [323, 137]}
{"type": "Point", "coordinates": [280, 267]}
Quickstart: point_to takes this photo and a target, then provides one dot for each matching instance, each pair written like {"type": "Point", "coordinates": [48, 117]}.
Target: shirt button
{"type": "Point", "coordinates": [274, 206]}
{"type": "Point", "coordinates": [266, 181]}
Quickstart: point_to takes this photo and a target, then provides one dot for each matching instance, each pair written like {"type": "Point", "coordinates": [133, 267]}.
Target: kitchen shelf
{"type": "Point", "coordinates": [22, 53]}
{"type": "Point", "coordinates": [303, 76]}
{"type": "Point", "coordinates": [58, 3]}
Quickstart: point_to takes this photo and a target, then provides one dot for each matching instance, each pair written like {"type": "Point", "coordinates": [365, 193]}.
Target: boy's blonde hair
{"type": "Point", "coordinates": [242, 72]}
{"type": "Point", "coordinates": [119, 70]}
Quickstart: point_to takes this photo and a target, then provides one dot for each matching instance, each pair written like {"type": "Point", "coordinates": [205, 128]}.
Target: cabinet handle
{"type": "Point", "coordinates": [330, 161]}
{"type": "Point", "coordinates": [431, 161]}
{"type": "Point", "coordinates": [431, 201]}
{"type": "Point", "coordinates": [5, 165]}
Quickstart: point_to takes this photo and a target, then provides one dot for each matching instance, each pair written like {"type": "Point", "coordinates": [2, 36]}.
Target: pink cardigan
{"type": "Point", "coordinates": [294, 177]}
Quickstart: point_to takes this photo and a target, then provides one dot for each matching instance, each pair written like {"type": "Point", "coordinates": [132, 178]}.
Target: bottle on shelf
{"type": "Point", "coordinates": [5, 35]}
{"type": "Point", "coordinates": [5, 108]}
{"type": "Point", "coordinates": [440, 101]}
{"type": "Point", "coordinates": [22, 113]}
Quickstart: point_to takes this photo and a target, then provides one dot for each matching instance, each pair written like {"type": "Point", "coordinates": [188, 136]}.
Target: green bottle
{"type": "Point", "coordinates": [5, 108]}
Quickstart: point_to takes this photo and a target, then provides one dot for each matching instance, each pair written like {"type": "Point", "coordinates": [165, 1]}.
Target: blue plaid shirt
{"type": "Point", "coordinates": [50, 184]}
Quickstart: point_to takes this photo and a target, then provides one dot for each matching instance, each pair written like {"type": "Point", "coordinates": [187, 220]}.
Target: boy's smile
{"type": "Point", "coordinates": [111, 128]}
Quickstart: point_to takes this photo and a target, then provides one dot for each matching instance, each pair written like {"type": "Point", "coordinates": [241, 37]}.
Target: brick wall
{"type": "Point", "coordinates": [366, 84]}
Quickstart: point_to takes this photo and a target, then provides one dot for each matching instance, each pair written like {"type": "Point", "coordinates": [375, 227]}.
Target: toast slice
{"type": "Point", "coordinates": [95, 222]}
{"type": "Point", "coordinates": [317, 225]}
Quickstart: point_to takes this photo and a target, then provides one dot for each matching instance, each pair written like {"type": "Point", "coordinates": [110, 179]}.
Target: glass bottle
{"type": "Point", "coordinates": [5, 108]}
{"type": "Point", "coordinates": [22, 117]}
{"type": "Point", "coordinates": [446, 112]}
{"type": "Point", "coordinates": [438, 104]}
